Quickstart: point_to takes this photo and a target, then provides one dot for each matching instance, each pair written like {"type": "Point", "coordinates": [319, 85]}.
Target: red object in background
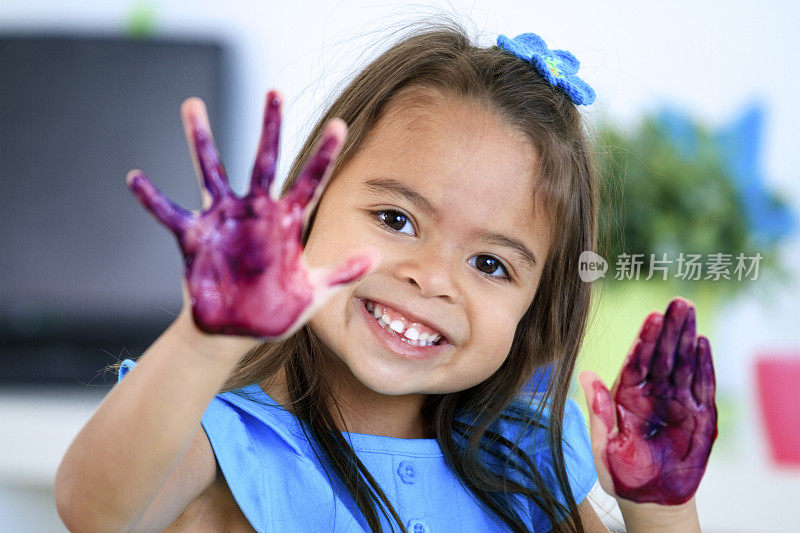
{"type": "Point", "coordinates": [778, 384]}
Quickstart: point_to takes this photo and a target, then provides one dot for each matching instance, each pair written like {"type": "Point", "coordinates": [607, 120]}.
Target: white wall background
{"type": "Point", "coordinates": [709, 57]}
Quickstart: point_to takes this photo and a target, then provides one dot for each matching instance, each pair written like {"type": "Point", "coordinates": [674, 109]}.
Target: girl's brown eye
{"type": "Point", "coordinates": [487, 263]}
{"type": "Point", "coordinates": [395, 220]}
{"type": "Point", "coordinates": [490, 266]}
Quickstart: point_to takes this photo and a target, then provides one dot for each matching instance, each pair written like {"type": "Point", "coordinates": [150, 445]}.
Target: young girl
{"type": "Point", "coordinates": [358, 360]}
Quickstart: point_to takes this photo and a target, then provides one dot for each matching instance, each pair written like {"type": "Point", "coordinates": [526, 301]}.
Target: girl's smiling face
{"type": "Point", "coordinates": [467, 174]}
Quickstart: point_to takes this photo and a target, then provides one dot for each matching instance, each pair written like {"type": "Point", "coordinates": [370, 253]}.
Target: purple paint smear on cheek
{"type": "Point", "coordinates": [665, 410]}
{"type": "Point", "coordinates": [242, 256]}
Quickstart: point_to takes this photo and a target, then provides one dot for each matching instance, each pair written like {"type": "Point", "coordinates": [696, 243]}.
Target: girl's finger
{"type": "Point", "coordinates": [600, 404]}
{"type": "Point", "coordinates": [703, 388]}
{"type": "Point", "coordinates": [352, 268]}
{"type": "Point", "coordinates": [685, 358]}
{"type": "Point", "coordinates": [703, 437]}
{"type": "Point", "coordinates": [165, 210]}
{"type": "Point", "coordinates": [267, 153]}
{"type": "Point", "coordinates": [638, 362]}
{"type": "Point", "coordinates": [205, 158]}
{"type": "Point", "coordinates": [308, 187]}
{"type": "Point", "coordinates": [602, 422]}
{"type": "Point", "coordinates": [704, 383]}
{"type": "Point", "coordinates": [664, 354]}
{"type": "Point", "coordinates": [327, 278]}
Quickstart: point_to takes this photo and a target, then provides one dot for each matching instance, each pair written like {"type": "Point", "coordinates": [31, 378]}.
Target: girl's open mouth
{"type": "Point", "coordinates": [414, 334]}
{"type": "Point", "coordinates": [423, 347]}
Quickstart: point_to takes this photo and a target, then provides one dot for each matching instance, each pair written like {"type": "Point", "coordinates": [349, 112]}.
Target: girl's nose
{"type": "Point", "coordinates": [433, 270]}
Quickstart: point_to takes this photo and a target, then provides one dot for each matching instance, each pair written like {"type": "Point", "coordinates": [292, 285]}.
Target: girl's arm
{"type": "Point", "coordinates": [651, 517]}
{"type": "Point", "coordinates": [140, 434]}
{"type": "Point", "coordinates": [245, 279]}
{"type": "Point", "coordinates": [645, 517]}
{"type": "Point", "coordinates": [591, 522]}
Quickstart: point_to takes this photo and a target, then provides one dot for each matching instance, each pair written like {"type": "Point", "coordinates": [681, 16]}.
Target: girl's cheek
{"type": "Point", "coordinates": [501, 337]}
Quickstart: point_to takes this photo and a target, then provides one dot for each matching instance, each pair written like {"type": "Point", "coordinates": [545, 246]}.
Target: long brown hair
{"type": "Point", "coordinates": [439, 57]}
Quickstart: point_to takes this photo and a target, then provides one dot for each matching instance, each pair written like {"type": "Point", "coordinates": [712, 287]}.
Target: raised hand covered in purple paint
{"type": "Point", "coordinates": [244, 269]}
{"type": "Point", "coordinates": [653, 432]}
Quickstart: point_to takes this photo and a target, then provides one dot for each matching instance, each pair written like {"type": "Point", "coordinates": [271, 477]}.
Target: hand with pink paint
{"type": "Point", "coordinates": [652, 433]}
{"type": "Point", "coordinates": [244, 270]}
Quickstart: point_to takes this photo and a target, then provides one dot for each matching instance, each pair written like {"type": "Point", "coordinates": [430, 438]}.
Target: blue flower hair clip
{"type": "Point", "coordinates": [557, 66]}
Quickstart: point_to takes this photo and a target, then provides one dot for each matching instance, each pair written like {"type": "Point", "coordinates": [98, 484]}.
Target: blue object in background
{"type": "Point", "coordinates": [739, 147]}
{"type": "Point", "coordinates": [680, 130]}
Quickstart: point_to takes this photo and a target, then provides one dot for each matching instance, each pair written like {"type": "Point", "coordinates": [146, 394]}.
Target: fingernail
{"type": "Point", "coordinates": [677, 306]}
{"type": "Point", "coordinates": [652, 324]}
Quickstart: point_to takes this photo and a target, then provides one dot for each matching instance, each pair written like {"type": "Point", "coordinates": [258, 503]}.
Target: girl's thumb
{"type": "Point", "coordinates": [329, 279]}
{"type": "Point", "coordinates": [352, 268]}
{"type": "Point", "coordinates": [601, 407]}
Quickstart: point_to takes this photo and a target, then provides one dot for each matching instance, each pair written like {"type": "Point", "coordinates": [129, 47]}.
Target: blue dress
{"type": "Point", "coordinates": [280, 485]}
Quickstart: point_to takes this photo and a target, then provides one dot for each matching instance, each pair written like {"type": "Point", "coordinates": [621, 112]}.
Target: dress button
{"type": "Point", "coordinates": [416, 526]}
{"type": "Point", "coordinates": [407, 472]}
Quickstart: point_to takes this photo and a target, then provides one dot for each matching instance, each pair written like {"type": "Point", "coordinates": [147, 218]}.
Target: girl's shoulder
{"type": "Point", "coordinates": [526, 420]}
{"type": "Point", "coordinates": [529, 421]}
{"type": "Point", "coordinates": [524, 426]}
{"type": "Point", "coordinates": [532, 415]}
{"type": "Point", "coordinates": [245, 414]}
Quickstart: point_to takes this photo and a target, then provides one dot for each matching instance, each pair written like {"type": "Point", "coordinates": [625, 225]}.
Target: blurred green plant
{"type": "Point", "coordinates": [656, 197]}
{"type": "Point", "coordinates": [141, 20]}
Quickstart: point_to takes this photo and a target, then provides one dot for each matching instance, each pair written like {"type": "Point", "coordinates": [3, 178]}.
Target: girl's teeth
{"type": "Point", "coordinates": [411, 335]}
{"type": "Point", "coordinates": [413, 342]}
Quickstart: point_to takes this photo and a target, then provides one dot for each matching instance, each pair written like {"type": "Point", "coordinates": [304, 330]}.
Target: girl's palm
{"type": "Point", "coordinates": [652, 434]}
{"type": "Point", "coordinates": [244, 269]}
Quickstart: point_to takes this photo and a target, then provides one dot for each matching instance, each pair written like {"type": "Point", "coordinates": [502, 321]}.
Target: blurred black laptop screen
{"type": "Point", "coordinates": [88, 276]}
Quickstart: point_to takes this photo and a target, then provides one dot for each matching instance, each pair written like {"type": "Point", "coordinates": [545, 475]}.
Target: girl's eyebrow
{"type": "Point", "coordinates": [399, 189]}
{"type": "Point", "coordinates": [498, 239]}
